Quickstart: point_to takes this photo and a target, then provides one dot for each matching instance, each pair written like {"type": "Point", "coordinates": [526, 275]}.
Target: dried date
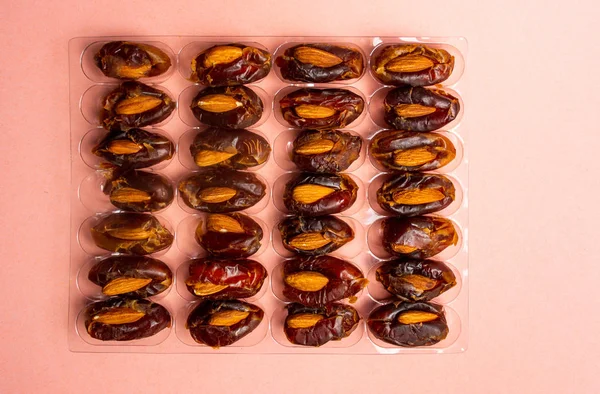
{"type": "Point", "coordinates": [312, 194]}
{"type": "Point", "coordinates": [325, 151]}
{"type": "Point", "coordinates": [131, 60]}
{"type": "Point", "coordinates": [139, 191]}
{"type": "Point", "coordinates": [418, 237]}
{"type": "Point", "coordinates": [227, 236]}
{"type": "Point", "coordinates": [314, 235]}
{"type": "Point", "coordinates": [235, 107]}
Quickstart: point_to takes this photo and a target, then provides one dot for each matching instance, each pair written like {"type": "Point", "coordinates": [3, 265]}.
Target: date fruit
{"type": "Point", "coordinates": [418, 237]}
{"type": "Point", "coordinates": [139, 191]}
{"type": "Point", "coordinates": [235, 107]}
{"type": "Point", "coordinates": [409, 324]}
{"type": "Point", "coordinates": [310, 326]}
{"type": "Point", "coordinates": [223, 322]}
{"type": "Point", "coordinates": [311, 194]}
{"type": "Point", "coordinates": [314, 235]}
{"type": "Point", "coordinates": [131, 60]}
{"type": "Point", "coordinates": [310, 108]}
{"type": "Point", "coordinates": [230, 64]}
{"type": "Point", "coordinates": [229, 236]}
{"type": "Point", "coordinates": [325, 151]}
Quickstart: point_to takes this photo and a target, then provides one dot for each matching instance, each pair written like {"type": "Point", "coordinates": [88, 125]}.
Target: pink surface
{"type": "Point", "coordinates": [533, 164]}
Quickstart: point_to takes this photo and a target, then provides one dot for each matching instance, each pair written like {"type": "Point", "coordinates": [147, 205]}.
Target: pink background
{"type": "Point", "coordinates": [532, 99]}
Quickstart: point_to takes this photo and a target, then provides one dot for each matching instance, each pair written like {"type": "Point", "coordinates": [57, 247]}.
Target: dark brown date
{"type": "Point", "coordinates": [231, 148]}
{"type": "Point", "coordinates": [419, 109]}
{"type": "Point", "coordinates": [409, 324]}
{"type": "Point", "coordinates": [221, 190]}
{"type": "Point", "coordinates": [130, 60]}
{"type": "Point", "coordinates": [312, 194]}
{"type": "Point", "coordinates": [235, 107]}
{"type": "Point", "coordinates": [229, 236]}
{"type": "Point", "coordinates": [222, 323]}
{"type": "Point", "coordinates": [411, 151]}
{"type": "Point", "coordinates": [415, 280]}
{"type": "Point", "coordinates": [412, 194]}
{"type": "Point", "coordinates": [225, 279]}
{"type": "Point", "coordinates": [325, 151]}
{"type": "Point", "coordinates": [308, 326]}
{"type": "Point", "coordinates": [418, 237]}
{"type": "Point", "coordinates": [320, 63]}
{"type": "Point", "coordinates": [414, 65]}
{"type": "Point", "coordinates": [314, 235]}
{"type": "Point", "coordinates": [134, 104]}
{"type": "Point", "coordinates": [135, 233]}
{"type": "Point", "coordinates": [317, 281]}
{"type": "Point", "coordinates": [131, 275]}
{"type": "Point", "coordinates": [231, 64]}
{"type": "Point", "coordinates": [139, 191]}
{"type": "Point", "coordinates": [125, 319]}
{"type": "Point", "coordinates": [321, 109]}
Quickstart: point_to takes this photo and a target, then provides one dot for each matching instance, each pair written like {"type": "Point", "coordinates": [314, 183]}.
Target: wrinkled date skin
{"type": "Point", "coordinates": [225, 279]}
{"type": "Point", "coordinates": [325, 151]}
{"type": "Point", "coordinates": [134, 104]}
{"type": "Point", "coordinates": [317, 281]}
{"type": "Point", "coordinates": [229, 236]}
{"type": "Point", "coordinates": [235, 107]}
{"type": "Point", "coordinates": [411, 151]}
{"type": "Point", "coordinates": [231, 64]}
{"type": "Point", "coordinates": [130, 60]}
{"type": "Point", "coordinates": [419, 109]}
{"type": "Point", "coordinates": [222, 323]}
{"type": "Point", "coordinates": [221, 190]}
{"type": "Point", "coordinates": [131, 275]}
{"type": "Point", "coordinates": [409, 324]}
{"type": "Point", "coordinates": [139, 191]}
{"type": "Point", "coordinates": [415, 280]}
{"type": "Point", "coordinates": [418, 237]}
{"type": "Point", "coordinates": [414, 65]}
{"type": "Point", "coordinates": [314, 235]}
{"type": "Point", "coordinates": [230, 148]}
{"type": "Point", "coordinates": [320, 63]}
{"type": "Point", "coordinates": [312, 194]}
{"type": "Point", "coordinates": [321, 109]}
{"type": "Point", "coordinates": [132, 233]}
{"type": "Point", "coordinates": [125, 319]}
{"type": "Point", "coordinates": [412, 194]}
{"type": "Point", "coordinates": [308, 326]}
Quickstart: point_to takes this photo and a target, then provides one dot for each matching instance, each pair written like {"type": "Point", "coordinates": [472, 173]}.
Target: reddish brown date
{"type": "Point", "coordinates": [418, 237]}
{"type": "Point", "coordinates": [235, 107]}
{"type": "Point", "coordinates": [134, 104]}
{"type": "Point", "coordinates": [415, 280]}
{"type": "Point", "coordinates": [312, 194]}
{"type": "Point", "coordinates": [321, 108]}
{"type": "Point", "coordinates": [131, 275]}
{"type": "Point", "coordinates": [308, 326]}
{"type": "Point", "coordinates": [222, 323]}
{"type": "Point", "coordinates": [221, 190]}
{"type": "Point", "coordinates": [414, 65]}
{"type": "Point", "coordinates": [325, 151]}
{"type": "Point", "coordinates": [314, 235]}
{"type": "Point", "coordinates": [411, 151]}
{"type": "Point", "coordinates": [225, 279]}
{"type": "Point", "coordinates": [139, 191]}
{"type": "Point", "coordinates": [229, 236]}
{"type": "Point", "coordinates": [130, 60]}
{"type": "Point", "coordinates": [125, 319]}
{"type": "Point", "coordinates": [317, 281]}
{"type": "Point", "coordinates": [231, 64]}
{"type": "Point", "coordinates": [419, 109]}
{"type": "Point", "coordinates": [409, 324]}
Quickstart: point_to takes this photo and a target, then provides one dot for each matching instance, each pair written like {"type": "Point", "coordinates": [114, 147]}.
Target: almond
{"type": "Point", "coordinates": [130, 234]}
{"type": "Point", "coordinates": [128, 72]}
{"type": "Point", "coordinates": [309, 241]}
{"type": "Point", "coordinates": [124, 147]}
{"type": "Point", "coordinates": [417, 196]}
{"type": "Point", "coordinates": [127, 195]}
{"type": "Point", "coordinates": [415, 317]}
{"type": "Point", "coordinates": [215, 195]}
{"type": "Point", "coordinates": [124, 285]}
{"type": "Point", "coordinates": [204, 289]}
{"type": "Point", "coordinates": [403, 248]}
{"type": "Point", "coordinates": [409, 64]}
{"type": "Point", "coordinates": [227, 318]}
{"type": "Point", "coordinates": [308, 194]}
{"type": "Point", "coordinates": [223, 224]}
{"type": "Point", "coordinates": [310, 111]}
{"type": "Point", "coordinates": [306, 280]}
{"type": "Point", "coordinates": [207, 158]}
{"type": "Point", "coordinates": [420, 282]}
{"type": "Point", "coordinates": [303, 320]}
{"type": "Point", "coordinates": [413, 110]}
{"type": "Point", "coordinates": [137, 105]}
{"type": "Point", "coordinates": [221, 55]}
{"type": "Point", "coordinates": [119, 315]}
{"type": "Point", "coordinates": [413, 157]}
{"type": "Point", "coordinates": [315, 147]}
{"type": "Point", "coordinates": [317, 57]}
{"type": "Point", "coordinates": [218, 103]}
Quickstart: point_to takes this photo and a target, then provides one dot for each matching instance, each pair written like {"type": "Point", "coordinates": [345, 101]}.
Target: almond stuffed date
{"type": "Point", "coordinates": [139, 191]}
{"type": "Point", "coordinates": [125, 319]}
{"type": "Point", "coordinates": [231, 148]}
{"type": "Point", "coordinates": [225, 279]}
{"type": "Point", "coordinates": [317, 281]}
{"type": "Point", "coordinates": [227, 236]}
{"type": "Point", "coordinates": [312, 194]}
{"type": "Point", "coordinates": [325, 151]}
{"type": "Point", "coordinates": [419, 109]}
{"type": "Point", "coordinates": [314, 235]}
{"type": "Point", "coordinates": [134, 104]}
{"type": "Point", "coordinates": [409, 324]}
{"type": "Point", "coordinates": [411, 194]}
{"type": "Point", "coordinates": [221, 190]}
{"type": "Point", "coordinates": [418, 237]}
{"type": "Point", "coordinates": [235, 107]}
{"type": "Point", "coordinates": [131, 275]}
{"type": "Point", "coordinates": [415, 280]}
{"type": "Point", "coordinates": [321, 108]}
{"type": "Point", "coordinates": [222, 323]}
{"type": "Point", "coordinates": [130, 60]}
{"type": "Point", "coordinates": [231, 64]}
{"type": "Point", "coordinates": [308, 326]}
{"type": "Point", "coordinates": [320, 63]}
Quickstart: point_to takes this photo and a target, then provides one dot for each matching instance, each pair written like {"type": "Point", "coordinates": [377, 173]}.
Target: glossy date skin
{"type": "Point", "coordinates": [130, 60]}
{"type": "Point", "coordinates": [312, 194]}
{"type": "Point", "coordinates": [235, 107]}
{"type": "Point", "coordinates": [418, 237]}
{"type": "Point", "coordinates": [139, 191]}
{"type": "Point", "coordinates": [314, 235]}
{"type": "Point", "coordinates": [325, 150]}
{"type": "Point", "coordinates": [229, 236]}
